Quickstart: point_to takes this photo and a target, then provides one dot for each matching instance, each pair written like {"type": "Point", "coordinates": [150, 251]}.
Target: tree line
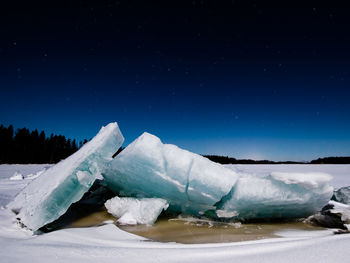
{"type": "Point", "coordinates": [332, 160]}
{"type": "Point", "coordinates": [230, 160]}
{"type": "Point", "coordinates": [24, 146]}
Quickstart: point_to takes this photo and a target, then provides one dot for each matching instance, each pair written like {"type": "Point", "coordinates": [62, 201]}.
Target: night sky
{"type": "Point", "coordinates": [213, 77]}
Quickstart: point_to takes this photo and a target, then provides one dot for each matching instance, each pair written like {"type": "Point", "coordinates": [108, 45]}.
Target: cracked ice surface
{"type": "Point", "coordinates": [50, 195]}
{"type": "Point", "coordinates": [188, 181]}
{"type": "Point", "coordinates": [193, 184]}
{"type": "Point", "coordinates": [279, 195]}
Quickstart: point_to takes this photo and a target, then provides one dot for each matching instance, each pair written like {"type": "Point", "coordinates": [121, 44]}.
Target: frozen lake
{"type": "Point", "coordinates": [109, 243]}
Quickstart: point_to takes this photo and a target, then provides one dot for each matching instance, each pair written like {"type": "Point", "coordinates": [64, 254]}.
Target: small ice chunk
{"type": "Point", "coordinates": [226, 214]}
{"type": "Point", "coordinates": [333, 215]}
{"type": "Point", "coordinates": [108, 222]}
{"type": "Point", "coordinates": [341, 209]}
{"type": "Point", "coordinates": [36, 175]}
{"type": "Point", "coordinates": [17, 176]}
{"type": "Point", "coordinates": [49, 196]}
{"type": "Point", "coordinates": [132, 211]}
{"type": "Point", "coordinates": [188, 181]}
{"type": "Point", "coordinates": [342, 195]}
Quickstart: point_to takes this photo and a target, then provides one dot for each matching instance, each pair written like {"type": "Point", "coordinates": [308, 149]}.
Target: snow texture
{"type": "Point", "coordinates": [306, 180]}
{"type": "Point", "coordinates": [110, 244]}
{"type": "Point", "coordinates": [132, 211]}
{"type": "Point", "coordinates": [50, 195]}
{"type": "Point", "coordinates": [10, 188]}
{"type": "Point", "coordinates": [339, 172]}
{"type": "Point", "coordinates": [188, 181]}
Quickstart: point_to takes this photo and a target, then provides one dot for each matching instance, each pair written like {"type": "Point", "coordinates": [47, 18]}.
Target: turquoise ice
{"type": "Point", "coordinates": [279, 195]}
{"type": "Point", "coordinates": [188, 181]}
{"type": "Point", "coordinates": [195, 185]}
{"type": "Point", "coordinates": [50, 195]}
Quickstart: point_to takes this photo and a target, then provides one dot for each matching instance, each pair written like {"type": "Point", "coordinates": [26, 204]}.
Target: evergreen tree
{"type": "Point", "coordinates": [24, 146]}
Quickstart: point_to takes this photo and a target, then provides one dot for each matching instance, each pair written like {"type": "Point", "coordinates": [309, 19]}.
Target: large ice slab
{"type": "Point", "coordinates": [188, 181]}
{"type": "Point", "coordinates": [195, 185]}
{"type": "Point", "coordinates": [280, 195]}
{"type": "Point", "coordinates": [132, 211]}
{"type": "Point", "coordinates": [50, 195]}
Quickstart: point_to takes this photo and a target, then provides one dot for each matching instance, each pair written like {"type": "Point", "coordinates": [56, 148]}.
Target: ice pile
{"type": "Point", "coordinates": [50, 195]}
{"type": "Point", "coordinates": [149, 168]}
{"type": "Point", "coordinates": [187, 182]}
{"type": "Point", "coordinates": [194, 185]}
{"type": "Point", "coordinates": [132, 211]}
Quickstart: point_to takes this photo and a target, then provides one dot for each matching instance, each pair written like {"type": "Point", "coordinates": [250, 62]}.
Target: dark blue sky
{"type": "Point", "coordinates": [248, 82]}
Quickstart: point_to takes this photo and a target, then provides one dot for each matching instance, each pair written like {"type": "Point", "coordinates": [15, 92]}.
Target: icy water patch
{"type": "Point", "coordinates": [189, 230]}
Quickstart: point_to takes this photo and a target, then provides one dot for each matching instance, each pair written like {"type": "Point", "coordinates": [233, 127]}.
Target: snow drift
{"type": "Point", "coordinates": [50, 195]}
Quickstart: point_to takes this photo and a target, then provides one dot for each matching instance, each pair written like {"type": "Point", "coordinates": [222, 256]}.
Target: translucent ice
{"type": "Point", "coordinates": [188, 181]}
{"type": "Point", "coordinates": [132, 211]}
{"type": "Point", "coordinates": [50, 195]}
{"type": "Point", "coordinates": [195, 185]}
{"type": "Point", "coordinates": [280, 195]}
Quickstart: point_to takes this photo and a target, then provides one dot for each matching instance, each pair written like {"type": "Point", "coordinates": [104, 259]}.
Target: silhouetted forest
{"type": "Point", "coordinates": [230, 160]}
{"type": "Point", "coordinates": [332, 160]}
{"type": "Point", "coordinates": [23, 146]}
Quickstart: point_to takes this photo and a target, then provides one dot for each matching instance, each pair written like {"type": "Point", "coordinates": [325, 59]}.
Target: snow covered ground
{"type": "Point", "coordinates": [10, 188]}
{"type": "Point", "coordinates": [110, 244]}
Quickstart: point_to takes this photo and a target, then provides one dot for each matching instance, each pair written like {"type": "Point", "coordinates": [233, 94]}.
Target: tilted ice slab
{"type": "Point", "coordinates": [132, 211]}
{"type": "Point", "coordinates": [50, 195]}
{"type": "Point", "coordinates": [188, 181]}
{"type": "Point", "coordinates": [280, 195]}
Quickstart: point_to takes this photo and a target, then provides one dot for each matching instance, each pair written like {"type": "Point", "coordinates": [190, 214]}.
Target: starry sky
{"type": "Point", "coordinates": [213, 77]}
